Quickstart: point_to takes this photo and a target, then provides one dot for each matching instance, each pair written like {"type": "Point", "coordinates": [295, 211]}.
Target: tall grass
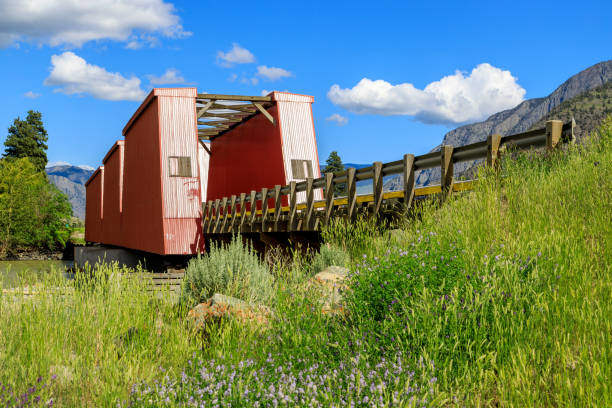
{"type": "Point", "coordinates": [501, 297]}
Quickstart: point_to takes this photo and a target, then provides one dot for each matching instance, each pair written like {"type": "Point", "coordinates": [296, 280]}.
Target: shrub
{"type": "Point", "coordinates": [233, 269]}
{"type": "Point", "coordinates": [329, 255]}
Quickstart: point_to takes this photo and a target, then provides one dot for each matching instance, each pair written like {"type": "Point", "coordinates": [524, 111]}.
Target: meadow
{"type": "Point", "coordinates": [500, 297]}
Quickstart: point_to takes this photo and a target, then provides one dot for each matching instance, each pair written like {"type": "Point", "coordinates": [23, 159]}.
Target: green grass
{"type": "Point", "coordinates": [501, 297]}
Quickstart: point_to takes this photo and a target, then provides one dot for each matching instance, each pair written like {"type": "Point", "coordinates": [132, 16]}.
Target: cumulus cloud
{"type": "Point", "coordinates": [272, 73]}
{"type": "Point", "coordinates": [171, 76]}
{"type": "Point", "coordinates": [454, 99]}
{"type": "Point", "coordinates": [31, 95]}
{"type": "Point", "coordinates": [73, 23]}
{"type": "Point", "coordinates": [339, 119]}
{"type": "Point", "coordinates": [237, 55]}
{"type": "Point", "coordinates": [73, 75]}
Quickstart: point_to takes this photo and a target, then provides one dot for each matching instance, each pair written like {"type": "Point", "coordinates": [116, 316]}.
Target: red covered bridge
{"type": "Point", "coordinates": [180, 149]}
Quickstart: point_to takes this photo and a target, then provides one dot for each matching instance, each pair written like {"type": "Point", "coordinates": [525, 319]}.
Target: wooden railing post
{"type": "Point", "coordinates": [292, 206]}
{"type": "Point", "coordinates": [253, 210]}
{"type": "Point", "coordinates": [377, 186]}
{"type": "Point", "coordinates": [553, 133]}
{"type": "Point", "coordinates": [408, 173]}
{"type": "Point", "coordinates": [329, 196]}
{"type": "Point", "coordinates": [233, 207]}
{"type": "Point", "coordinates": [224, 207]}
{"type": "Point", "coordinates": [446, 170]}
{"type": "Point", "coordinates": [351, 194]}
{"type": "Point", "coordinates": [242, 210]}
{"type": "Point", "coordinates": [264, 208]}
{"type": "Point", "coordinates": [309, 205]}
{"type": "Point", "coordinates": [208, 215]}
{"type": "Point", "coordinates": [493, 142]}
{"type": "Point", "coordinates": [217, 217]}
{"type": "Point", "coordinates": [277, 206]}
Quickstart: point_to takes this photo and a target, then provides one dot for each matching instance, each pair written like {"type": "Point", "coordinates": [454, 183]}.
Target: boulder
{"type": "Point", "coordinates": [331, 286]}
{"type": "Point", "coordinates": [220, 307]}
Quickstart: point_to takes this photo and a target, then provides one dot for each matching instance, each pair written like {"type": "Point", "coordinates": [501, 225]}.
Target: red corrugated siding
{"type": "Point", "coordinates": [113, 186]}
{"type": "Point", "coordinates": [181, 195]}
{"type": "Point", "coordinates": [298, 136]}
{"type": "Point", "coordinates": [246, 158]}
{"type": "Point", "coordinates": [94, 196]}
{"type": "Point", "coordinates": [142, 194]}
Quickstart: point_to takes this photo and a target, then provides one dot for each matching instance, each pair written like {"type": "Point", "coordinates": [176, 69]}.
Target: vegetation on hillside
{"type": "Point", "coordinates": [588, 109]}
{"type": "Point", "coordinates": [501, 297]}
{"type": "Point", "coordinates": [28, 138]}
{"type": "Point", "coordinates": [33, 213]}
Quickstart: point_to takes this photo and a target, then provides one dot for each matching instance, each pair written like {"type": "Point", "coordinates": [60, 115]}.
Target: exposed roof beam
{"type": "Point", "coordinates": [204, 109]}
{"type": "Point", "coordinates": [235, 97]}
{"type": "Point", "coordinates": [265, 112]}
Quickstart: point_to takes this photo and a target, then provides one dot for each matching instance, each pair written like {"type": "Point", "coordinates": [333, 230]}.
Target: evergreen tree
{"type": "Point", "coordinates": [334, 164]}
{"type": "Point", "coordinates": [27, 138]}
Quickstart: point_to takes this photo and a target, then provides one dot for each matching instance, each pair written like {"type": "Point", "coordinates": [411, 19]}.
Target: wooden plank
{"type": "Point", "coordinates": [292, 205]}
{"type": "Point", "coordinates": [217, 216]}
{"type": "Point", "coordinates": [329, 196]}
{"type": "Point", "coordinates": [553, 133]}
{"type": "Point", "coordinates": [229, 115]}
{"type": "Point", "coordinates": [221, 97]}
{"type": "Point", "coordinates": [264, 208]}
{"type": "Point", "coordinates": [446, 168]}
{"type": "Point", "coordinates": [277, 206]}
{"type": "Point", "coordinates": [308, 224]}
{"type": "Point", "coordinates": [210, 215]}
{"type": "Point", "coordinates": [216, 123]}
{"type": "Point", "coordinates": [351, 193]}
{"type": "Point", "coordinates": [265, 112]}
{"type": "Point", "coordinates": [253, 203]}
{"type": "Point", "coordinates": [377, 186]}
{"type": "Point", "coordinates": [408, 174]}
{"type": "Point", "coordinates": [224, 211]}
{"type": "Point", "coordinates": [203, 110]}
{"type": "Point", "coordinates": [232, 227]}
{"type": "Point", "coordinates": [493, 142]}
{"type": "Point", "coordinates": [243, 211]}
{"type": "Point", "coordinates": [245, 107]}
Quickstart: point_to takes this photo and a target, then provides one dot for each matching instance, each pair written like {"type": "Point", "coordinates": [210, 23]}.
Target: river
{"type": "Point", "coordinates": [12, 271]}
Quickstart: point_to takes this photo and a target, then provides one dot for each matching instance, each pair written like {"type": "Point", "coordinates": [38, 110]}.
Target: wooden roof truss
{"type": "Point", "coordinates": [217, 114]}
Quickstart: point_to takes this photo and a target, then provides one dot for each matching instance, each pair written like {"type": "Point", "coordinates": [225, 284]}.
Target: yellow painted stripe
{"type": "Point", "coordinates": [367, 198]}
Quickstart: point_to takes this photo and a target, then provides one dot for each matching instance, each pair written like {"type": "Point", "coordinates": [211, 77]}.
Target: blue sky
{"type": "Point", "coordinates": [388, 77]}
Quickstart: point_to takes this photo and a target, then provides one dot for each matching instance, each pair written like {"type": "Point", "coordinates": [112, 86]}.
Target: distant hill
{"type": "Point", "coordinates": [532, 113]}
{"type": "Point", "coordinates": [71, 180]}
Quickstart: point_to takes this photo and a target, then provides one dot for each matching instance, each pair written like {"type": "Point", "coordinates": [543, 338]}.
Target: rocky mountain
{"type": "Point", "coordinates": [527, 115]}
{"type": "Point", "coordinates": [71, 181]}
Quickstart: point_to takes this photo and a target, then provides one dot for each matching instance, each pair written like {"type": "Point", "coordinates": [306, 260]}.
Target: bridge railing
{"type": "Point", "coordinates": [277, 209]}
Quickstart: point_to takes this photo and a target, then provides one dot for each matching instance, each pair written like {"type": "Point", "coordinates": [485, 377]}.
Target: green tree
{"type": "Point", "coordinates": [33, 212]}
{"type": "Point", "coordinates": [334, 164]}
{"type": "Point", "coordinates": [28, 138]}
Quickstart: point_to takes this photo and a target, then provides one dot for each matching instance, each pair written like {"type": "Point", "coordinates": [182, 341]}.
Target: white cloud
{"type": "Point", "coordinates": [31, 95]}
{"type": "Point", "coordinates": [73, 23]}
{"type": "Point", "coordinates": [232, 77]}
{"type": "Point", "coordinates": [171, 76]}
{"type": "Point", "coordinates": [57, 163]}
{"type": "Point", "coordinates": [453, 99]}
{"type": "Point", "coordinates": [73, 75]}
{"type": "Point", "coordinates": [237, 55]}
{"type": "Point", "coordinates": [339, 119]}
{"type": "Point", "coordinates": [265, 92]}
{"type": "Point", "coordinates": [272, 73]}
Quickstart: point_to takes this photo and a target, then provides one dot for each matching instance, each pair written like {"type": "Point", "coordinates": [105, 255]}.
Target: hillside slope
{"type": "Point", "coordinates": [71, 181]}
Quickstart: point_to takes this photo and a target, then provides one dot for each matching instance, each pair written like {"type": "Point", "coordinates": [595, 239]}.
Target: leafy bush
{"type": "Point", "coordinates": [379, 283]}
{"type": "Point", "coordinates": [233, 270]}
{"type": "Point", "coordinates": [328, 255]}
{"type": "Point", "coordinates": [33, 213]}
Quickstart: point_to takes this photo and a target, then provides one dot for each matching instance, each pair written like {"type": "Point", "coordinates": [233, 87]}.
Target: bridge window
{"type": "Point", "coordinates": [180, 166]}
{"type": "Point", "coordinates": [301, 169]}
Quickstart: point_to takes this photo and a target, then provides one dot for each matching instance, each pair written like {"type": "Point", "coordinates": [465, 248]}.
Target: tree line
{"type": "Point", "coordinates": [33, 212]}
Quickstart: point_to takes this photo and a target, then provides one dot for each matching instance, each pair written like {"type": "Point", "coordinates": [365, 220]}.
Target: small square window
{"type": "Point", "coordinates": [301, 169]}
{"type": "Point", "coordinates": [180, 166]}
